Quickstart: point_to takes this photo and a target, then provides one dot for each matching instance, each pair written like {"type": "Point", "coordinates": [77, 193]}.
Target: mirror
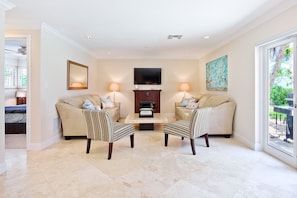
{"type": "Point", "coordinates": [77, 76]}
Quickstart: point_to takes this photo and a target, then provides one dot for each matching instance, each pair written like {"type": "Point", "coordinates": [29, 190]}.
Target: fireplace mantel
{"type": "Point", "coordinates": [147, 96]}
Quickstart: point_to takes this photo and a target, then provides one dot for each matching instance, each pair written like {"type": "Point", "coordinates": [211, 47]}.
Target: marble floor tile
{"type": "Point", "coordinates": [226, 169]}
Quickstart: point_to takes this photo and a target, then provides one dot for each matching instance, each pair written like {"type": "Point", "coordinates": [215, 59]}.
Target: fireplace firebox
{"type": "Point", "coordinates": [147, 102]}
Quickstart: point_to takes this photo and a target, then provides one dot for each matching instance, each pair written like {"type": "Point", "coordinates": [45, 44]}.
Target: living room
{"type": "Point", "coordinates": [48, 78]}
{"type": "Point", "coordinates": [50, 51]}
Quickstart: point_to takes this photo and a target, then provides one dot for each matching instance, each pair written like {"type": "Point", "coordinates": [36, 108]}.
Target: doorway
{"type": "Point", "coordinates": [15, 92]}
{"type": "Point", "coordinates": [278, 98]}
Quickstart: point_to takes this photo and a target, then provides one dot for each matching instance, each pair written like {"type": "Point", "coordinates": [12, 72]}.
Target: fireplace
{"type": "Point", "coordinates": [147, 104]}
{"type": "Point", "coordinates": [147, 98]}
{"type": "Point", "coordinates": [147, 109]}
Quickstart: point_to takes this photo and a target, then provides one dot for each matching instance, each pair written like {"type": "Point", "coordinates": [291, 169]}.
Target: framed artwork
{"type": "Point", "coordinates": [77, 76]}
{"type": "Point", "coordinates": [217, 74]}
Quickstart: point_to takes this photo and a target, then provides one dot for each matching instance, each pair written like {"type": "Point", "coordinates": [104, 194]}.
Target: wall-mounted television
{"type": "Point", "coordinates": [147, 76]}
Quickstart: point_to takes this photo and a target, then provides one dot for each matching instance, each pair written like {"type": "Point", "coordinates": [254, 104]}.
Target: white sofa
{"type": "Point", "coordinates": [70, 113]}
{"type": "Point", "coordinates": [221, 116]}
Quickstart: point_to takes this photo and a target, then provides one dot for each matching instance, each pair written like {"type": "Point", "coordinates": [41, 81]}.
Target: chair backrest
{"type": "Point", "coordinates": [199, 123]}
{"type": "Point", "coordinates": [99, 125]}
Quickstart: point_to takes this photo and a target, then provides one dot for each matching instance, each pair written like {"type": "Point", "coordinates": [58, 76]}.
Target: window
{"type": "Point", "coordinates": [15, 77]}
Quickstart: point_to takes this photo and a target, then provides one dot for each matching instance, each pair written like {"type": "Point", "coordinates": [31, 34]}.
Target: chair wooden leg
{"type": "Point", "coordinates": [166, 139]}
{"type": "Point", "coordinates": [206, 140]}
{"type": "Point", "coordinates": [132, 140]}
{"type": "Point", "coordinates": [110, 150]}
{"type": "Point", "coordinates": [193, 146]}
{"type": "Point", "coordinates": [88, 145]}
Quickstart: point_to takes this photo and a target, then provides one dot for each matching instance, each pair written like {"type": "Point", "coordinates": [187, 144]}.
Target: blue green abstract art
{"type": "Point", "coordinates": [217, 74]}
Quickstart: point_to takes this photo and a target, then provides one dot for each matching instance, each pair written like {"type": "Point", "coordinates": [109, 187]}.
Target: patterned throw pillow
{"type": "Point", "coordinates": [193, 104]}
{"type": "Point", "coordinates": [88, 105]}
{"type": "Point", "coordinates": [107, 102]}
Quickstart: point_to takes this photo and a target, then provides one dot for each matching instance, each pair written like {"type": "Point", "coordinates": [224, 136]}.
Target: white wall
{"type": "Point", "coordinates": [55, 51]}
{"type": "Point", "coordinates": [173, 72]}
{"type": "Point", "coordinates": [2, 136]}
{"type": "Point", "coordinates": [241, 66]}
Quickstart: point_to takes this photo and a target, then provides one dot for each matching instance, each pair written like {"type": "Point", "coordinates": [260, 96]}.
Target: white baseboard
{"type": "Point", "coordinates": [253, 145]}
{"type": "Point", "coordinates": [43, 145]}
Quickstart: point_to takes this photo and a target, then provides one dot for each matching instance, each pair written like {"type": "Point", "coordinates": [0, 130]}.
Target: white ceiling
{"type": "Point", "coordinates": [139, 28]}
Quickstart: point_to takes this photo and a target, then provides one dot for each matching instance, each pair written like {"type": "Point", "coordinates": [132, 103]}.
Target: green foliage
{"type": "Point", "coordinates": [278, 95]}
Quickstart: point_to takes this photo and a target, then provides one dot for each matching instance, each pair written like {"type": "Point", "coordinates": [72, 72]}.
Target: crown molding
{"type": "Point", "coordinates": [6, 5]}
{"type": "Point", "coordinates": [48, 28]}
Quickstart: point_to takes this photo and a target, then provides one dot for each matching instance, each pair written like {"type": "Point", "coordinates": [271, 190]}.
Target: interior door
{"type": "Point", "coordinates": [280, 104]}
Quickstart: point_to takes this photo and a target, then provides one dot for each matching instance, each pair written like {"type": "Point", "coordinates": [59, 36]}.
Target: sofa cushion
{"type": "Point", "coordinates": [212, 100]}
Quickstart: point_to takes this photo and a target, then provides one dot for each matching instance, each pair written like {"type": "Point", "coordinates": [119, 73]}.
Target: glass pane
{"type": "Point", "coordinates": [10, 80]}
{"type": "Point", "coordinates": [281, 84]}
{"type": "Point", "coordinates": [22, 77]}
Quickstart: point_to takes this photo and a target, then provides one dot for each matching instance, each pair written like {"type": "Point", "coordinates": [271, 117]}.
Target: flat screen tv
{"type": "Point", "coordinates": [147, 76]}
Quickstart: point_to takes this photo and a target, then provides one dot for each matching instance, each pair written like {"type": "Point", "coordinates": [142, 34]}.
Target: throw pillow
{"type": "Point", "coordinates": [193, 104]}
{"type": "Point", "coordinates": [88, 105]}
{"type": "Point", "coordinates": [97, 108]}
{"type": "Point", "coordinates": [107, 102]}
{"type": "Point", "coordinates": [184, 102]}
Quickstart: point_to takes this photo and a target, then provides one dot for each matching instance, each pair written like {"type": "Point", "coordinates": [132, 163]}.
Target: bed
{"type": "Point", "coordinates": [15, 119]}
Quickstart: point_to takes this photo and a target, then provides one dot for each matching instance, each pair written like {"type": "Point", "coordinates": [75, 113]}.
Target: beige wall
{"type": "Point", "coordinates": [241, 65]}
{"type": "Point", "coordinates": [173, 72]}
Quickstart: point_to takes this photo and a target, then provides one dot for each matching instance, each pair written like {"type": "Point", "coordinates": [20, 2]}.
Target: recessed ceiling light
{"type": "Point", "coordinates": [206, 37]}
{"type": "Point", "coordinates": [174, 36]}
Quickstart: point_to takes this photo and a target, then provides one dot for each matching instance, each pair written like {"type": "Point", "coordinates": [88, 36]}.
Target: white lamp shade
{"type": "Point", "coordinates": [114, 87]}
{"type": "Point", "coordinates": [21, 94]}
{"type": "Point", "coordinates": [184, 87]}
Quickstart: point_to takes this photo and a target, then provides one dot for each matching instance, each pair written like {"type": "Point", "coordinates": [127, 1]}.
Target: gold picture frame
{"type": "Point", "coordinates": [77, 76]}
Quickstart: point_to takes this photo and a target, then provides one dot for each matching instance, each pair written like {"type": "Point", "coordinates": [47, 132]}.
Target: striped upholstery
{"type": "Point", "coordinates": [195, 127]}
{"type": "Point", "coordinates": [199, 122]}
{"type": "Point", "coordinates": [101, 127]}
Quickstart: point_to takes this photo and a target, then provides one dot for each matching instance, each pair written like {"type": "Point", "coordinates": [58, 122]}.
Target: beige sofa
{"type": "Point", "coordinates": [70, 113]}
{"type": "Point", "coordinates": [221, 116]}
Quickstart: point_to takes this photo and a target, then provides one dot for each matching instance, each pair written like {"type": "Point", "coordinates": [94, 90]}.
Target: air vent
{"type": "Point", "coordinates": [174, 36]}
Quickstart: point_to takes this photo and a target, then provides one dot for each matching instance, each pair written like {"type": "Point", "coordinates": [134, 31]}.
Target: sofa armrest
{"type": "Point", "coordinates": [222, 118]}
{"type": "Point", "coordinates": [72, 120]}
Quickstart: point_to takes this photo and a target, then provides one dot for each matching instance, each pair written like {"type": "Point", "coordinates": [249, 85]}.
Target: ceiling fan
{"type": "Point", "coordinates": [21, 50]}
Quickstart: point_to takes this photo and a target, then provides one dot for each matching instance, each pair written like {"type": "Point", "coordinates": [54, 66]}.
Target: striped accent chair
{"type": "Point", "coordinates": [197, 126]}
{"type": "Point", "coordinates": [101, 127]}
